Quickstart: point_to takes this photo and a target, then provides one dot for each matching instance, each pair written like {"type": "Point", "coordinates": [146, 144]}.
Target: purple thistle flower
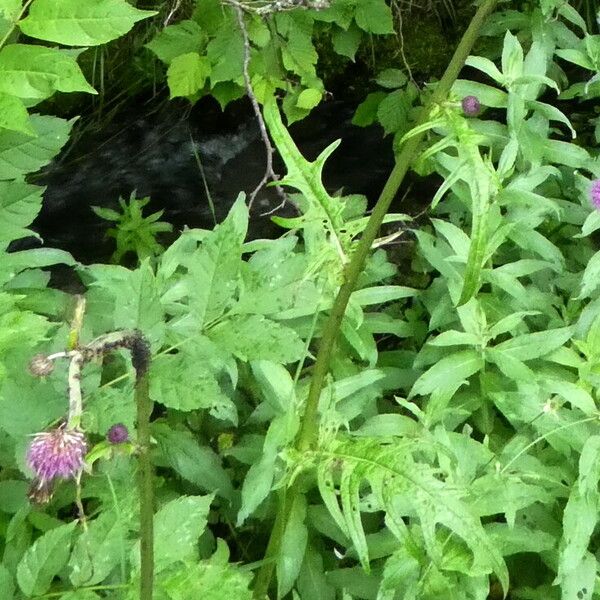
{"type": "Point", "coordinates": [471, 106]}
{"type": "Point", "coordinates": [595, 193]}
{"type": "Point", "coordinates": [55, 454]}
{"type": "Point", "coordinates": [117, 434]}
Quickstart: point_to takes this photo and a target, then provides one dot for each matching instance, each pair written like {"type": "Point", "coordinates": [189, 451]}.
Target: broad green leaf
{"type": "Point", "coordinates": [448, 373]}
{"type": "Point", "coordinates": [212, 579]}
{"type": "Point", "coordinates": [215, 267]}
{"type": "Point", "coordinates": [293, 546]}
{"type": "Point", "coordinates": [312, 582]}
{"type": "Point", "coordinates": [81, 22]}
{"type": "Point", "coordinates": [135, 296]}
{"type": "Point", "coordinates": [226, 54]}
{"type": "Point", "coordinates": [14, 115]}
{"type": "Point", "coordinates": [391, 78]}
{"type": "Point", "coordinates": [393, 111]}
{"type": "Point", "coordinates": [182, 38]}
{"type": "Point", "coordinates": [7, 584]}
{"type": "Point", "coordinates": [581, 512]}
{"type": "Point", "coordinates": [591, 276]}
{"type": "Point", "coordinates": [19, 205]}
{"type": "Point", "coordinates": [187, 74]}
{"type": "Point", "coordinates": [276, 385]}
{"type": "Point", "coordinates": [257, 338]}
{"type": "Point", "coordinates": [13, 495]}
{"type": "Point", "coordinates": [366, 112]}
{"type": "Point", "coordinates": [195, 463]}
{"type": "Point", "coordinates": [485, 65]}
{"type": "Point", "coordinates": [576, 57]}
{"type": "Point", "coordinates": [512, 57]}
{"type": "Point", "coordinates": [201, 390]}
{"type": "Point", "coordinates": [9, 9]}
{"type": "Point", "coordinates": [591, 224]}
{"type": "Point", "coordinates": [44, 559]}
{"type": "Point", "coordinates": [29, 71]}
{"type": "Point", "coordinates": [98, 550]}
{"type": "Point", "coordinates": [486, 94]}
{"type": "Point", "coordinates": [346, 41]}
{"type": "Point", "coordinates": [21, 154]}
{"type": "Point", "coordinates": [510, 366]}
{"type": "Point", "coordinates": [309, 98]}
{"type": "Point", "coordinates": [534, 345]}
{"type": "Point", "coordinates": [374, 16]}
{"type": "Point", "coordinates": [455, 338]}
{"type": "Point", "coordinates": [177, 527]}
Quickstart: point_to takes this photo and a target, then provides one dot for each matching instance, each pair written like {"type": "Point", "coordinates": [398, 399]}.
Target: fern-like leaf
{"type": "Point", "coordinates": [348, 470]}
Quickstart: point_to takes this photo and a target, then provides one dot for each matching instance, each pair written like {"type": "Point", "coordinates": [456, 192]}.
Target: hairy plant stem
{"type": "Point", "coordinates": [309, 428]}
{"type": "Point", "coordinates": [146, 491]}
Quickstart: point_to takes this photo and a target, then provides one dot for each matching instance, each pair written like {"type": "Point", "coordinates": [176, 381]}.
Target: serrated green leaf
{"type": "Point", "coordinates": [14, 115]}
{"type": "Point", "coordinates": [19, 205]}
{"type": "Point", "coordinates": [187, 74]}
{"type": "Point", "coordinates": [181, 38]}
{"type": "Point", "coordinates": [212, 579]}
{"type": "Point", "coordinates": [391, 78]}
{"type": "Point", "coordinates": [77, 23]}
{"type": "Point", "coordinates": [374, 16]}
{"type": "Point", "coordinates": [366, 112]}
{"type": "Point", "coordinates": [29, 71]}
{"type": "Point", "coordinates": [44, 560]}
{"type": "Point", "coordinates": [346, 41]}
{"type": "Point", "coordinates": [197, 464]}
{"type": "Point", "coordinates": [99, 549]}
{"type": "Point", "coordinates": [309, 98]}
{"type": "Point", "coordinates": [255, 337]}
{"type": "Point", "coordinates": [21, 154]}
{"type": "Point", "coordinates": [393, 112]}
{"type": "Point", "coordinates": [177, 527]}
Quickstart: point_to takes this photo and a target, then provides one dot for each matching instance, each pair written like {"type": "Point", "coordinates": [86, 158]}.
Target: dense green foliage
{"type": "Point", "coordinates": [458, 440]}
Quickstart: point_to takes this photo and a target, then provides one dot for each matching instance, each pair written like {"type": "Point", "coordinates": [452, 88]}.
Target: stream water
{"type": "Point", "coordinates": [178, 157]}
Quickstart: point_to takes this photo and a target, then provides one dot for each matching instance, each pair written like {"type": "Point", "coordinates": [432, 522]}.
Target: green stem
{"type": "Point", "coordinates": [309, 428]}
{"type": "Point", "coordinates": [146, 491]}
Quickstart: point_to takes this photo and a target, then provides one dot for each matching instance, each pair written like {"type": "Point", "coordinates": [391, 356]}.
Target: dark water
{"type": "Point", "coordinates": [158, 155]}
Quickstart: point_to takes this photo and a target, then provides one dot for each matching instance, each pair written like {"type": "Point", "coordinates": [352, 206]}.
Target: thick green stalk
{"type": "Point", "coordinates": [309, 429]}
{"type": "Point", "coordinates": [146, 491]}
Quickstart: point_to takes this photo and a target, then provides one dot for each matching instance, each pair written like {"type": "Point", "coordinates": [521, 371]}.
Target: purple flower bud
{"type": "Point", "coordinates": [55, 454]}
{"type": "Point", "coordinates": [117, 434]}
{"type": "Point", "coordinates": [471, 106]}
{"type": "Point", "coordinates": [595, 193]}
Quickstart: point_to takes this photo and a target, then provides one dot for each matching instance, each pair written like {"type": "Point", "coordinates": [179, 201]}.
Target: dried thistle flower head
{"type": "Point", "coordinates": [40, 365]}
{"type": "Point", "coordinates": [55, 454]}
{"type": "Point", "coordinates": [117, 434]}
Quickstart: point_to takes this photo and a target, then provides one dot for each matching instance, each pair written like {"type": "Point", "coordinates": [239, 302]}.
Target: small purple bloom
{"type": "Point", "coordinates": [595, 193]}
{"type": "Point", "coordinates": [55, 454]}
{"type": "Point", "coordinates": [117, 434]}
{"type": "Point", "coordinates": [471, 106]}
